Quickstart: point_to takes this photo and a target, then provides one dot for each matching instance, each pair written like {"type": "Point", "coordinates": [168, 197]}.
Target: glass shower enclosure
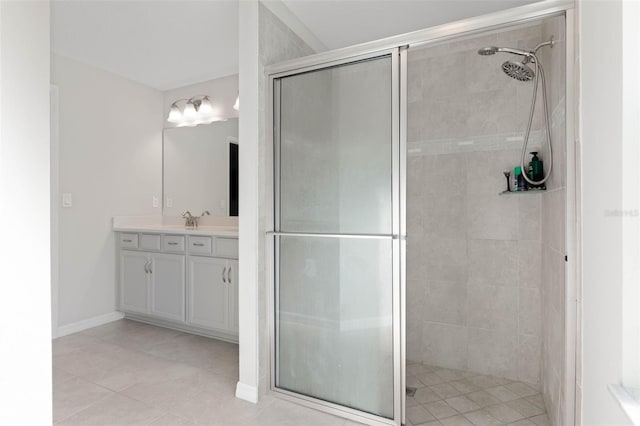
{"type": "Point", "coordinates": [337, 237]}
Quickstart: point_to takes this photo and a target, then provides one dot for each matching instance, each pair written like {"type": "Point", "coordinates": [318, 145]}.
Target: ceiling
{"type": "Point", "coordinates": [167, 44]}
{"type": "Point", "coordinates": [348, 22]}
{"type": "Point", "coordinates": [163, 44]}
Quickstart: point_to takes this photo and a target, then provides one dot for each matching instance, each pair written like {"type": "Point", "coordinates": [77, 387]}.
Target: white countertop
{"type": "Point", "coordinates": [159, 225]}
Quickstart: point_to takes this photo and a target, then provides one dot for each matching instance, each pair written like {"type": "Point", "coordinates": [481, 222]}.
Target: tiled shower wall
{"type": "Point", "coordinates": [553, 233]}
{"type": "Point", "coordinates": [474, 261]}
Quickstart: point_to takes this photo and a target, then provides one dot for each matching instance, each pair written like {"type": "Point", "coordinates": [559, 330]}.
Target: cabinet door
{"type": "Point", "coordinates": [134, 281]}
{"type": "Point", "coordinates": [208, 293]}
{"type": "Point", "coordinates": [167, 285]}
{"type": "Point", "coordinates": [232, 276]}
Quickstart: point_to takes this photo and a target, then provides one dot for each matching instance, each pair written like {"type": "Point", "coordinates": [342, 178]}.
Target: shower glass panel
{"type": "Point", "coordinates": [335, 249]}
{"type": "Point", "coordinates": [335, 321]}
{"type": "Point", "coordinates": [335, 153]}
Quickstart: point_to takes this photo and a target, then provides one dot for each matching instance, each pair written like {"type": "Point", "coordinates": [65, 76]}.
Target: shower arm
{"type": "Point", "coordinates": [549, 43]}
{"type": "Point", "coordinates": [515, 51]}
{"type": "Point", "coordinates": [530, 55]}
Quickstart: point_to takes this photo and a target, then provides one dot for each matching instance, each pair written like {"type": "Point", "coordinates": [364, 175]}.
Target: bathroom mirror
{"type": "Point", "coordinates": [200, 169]}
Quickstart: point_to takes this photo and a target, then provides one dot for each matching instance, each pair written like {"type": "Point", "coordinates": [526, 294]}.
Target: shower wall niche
{"type": "Point", "coordinates": [484, 269]}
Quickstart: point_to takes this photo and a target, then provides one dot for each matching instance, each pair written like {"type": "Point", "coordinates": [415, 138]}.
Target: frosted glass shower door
{"type": "Point", "coordinates": [336, 237]}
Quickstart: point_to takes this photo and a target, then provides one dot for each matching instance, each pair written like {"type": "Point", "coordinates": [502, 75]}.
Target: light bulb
{"type": "Point", "coordinates": [236, 106]}
{"type": "Point", "coordinates": [190, 114]}
{"type": "Point", "coordinates": [175, 116]}
{"type": "Point", "coordinates": [206, 109]}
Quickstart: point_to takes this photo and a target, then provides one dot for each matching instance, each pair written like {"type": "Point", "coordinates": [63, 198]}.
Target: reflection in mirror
{"type": "Point", "coordinates": [200, 169]}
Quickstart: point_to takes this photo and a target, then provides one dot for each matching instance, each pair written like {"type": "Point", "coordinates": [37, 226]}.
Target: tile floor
{"type": "Point", "coordinates": [454, 397]}
{"type": "Point", "coordinates": [126, 373]}
{"type": "Point", "coordinates": [129, 373]}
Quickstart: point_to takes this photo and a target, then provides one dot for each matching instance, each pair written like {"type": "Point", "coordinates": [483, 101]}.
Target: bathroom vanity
{"type": "Point", "coordinates": [180, 278]}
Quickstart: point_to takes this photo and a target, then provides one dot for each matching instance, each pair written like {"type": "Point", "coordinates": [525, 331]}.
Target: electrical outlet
{"type": "Point", "coordinates": [169, 202]}
{"type": "Point", "coordinates": [155, 201]}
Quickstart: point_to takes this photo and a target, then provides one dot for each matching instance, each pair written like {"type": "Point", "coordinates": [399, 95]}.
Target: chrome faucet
{"type": "Point", "coordinates": [195, 218]}
{"type": "Point", "coordinates": [190, 221]}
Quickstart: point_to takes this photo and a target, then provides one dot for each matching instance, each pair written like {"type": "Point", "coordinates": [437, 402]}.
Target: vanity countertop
{"type": "Point", "coordinates": [124, 224]}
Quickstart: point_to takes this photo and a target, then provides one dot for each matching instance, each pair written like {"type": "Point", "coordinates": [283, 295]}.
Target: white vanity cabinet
{"type": "Point", "coordinates": [167, 289]}
{"type": "Point", "coordinates": [207, 285]}
{"type": "Point", "coordinates": [134, 281]}
{"type": "Point", "coordinates": [153, 283]}
{"type": "Point", "coordinates": [186, 282]}
{"type": "Point", "coordinates": [212, 279]}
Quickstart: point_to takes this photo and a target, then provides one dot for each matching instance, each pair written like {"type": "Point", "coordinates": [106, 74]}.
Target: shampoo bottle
{"type": "Point", "coordinates": [535, 168]}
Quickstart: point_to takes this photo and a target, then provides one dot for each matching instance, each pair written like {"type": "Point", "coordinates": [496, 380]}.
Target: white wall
{"type": "Point", "coordinates": [600, 28]}
{"type": "Point", "coordinates": [25, 324]}
{"type": "Point", "coordinates": [110, 159]}
{"type": "Point", "coordinates": [221, 91]}
{"type": "Point", "coordinates": [247, 387]}
{"type": "Point", "coordinates": [631, 194]}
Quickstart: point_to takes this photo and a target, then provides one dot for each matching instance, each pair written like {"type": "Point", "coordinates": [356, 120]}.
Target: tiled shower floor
{"type": "Point", "coordinates": [454, 397]}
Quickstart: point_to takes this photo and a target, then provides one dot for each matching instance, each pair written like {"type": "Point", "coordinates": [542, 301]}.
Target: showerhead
{"type": "Point", "coordinates": [518, 70]}
{"type": "Point", "coordinates": [487, 51]}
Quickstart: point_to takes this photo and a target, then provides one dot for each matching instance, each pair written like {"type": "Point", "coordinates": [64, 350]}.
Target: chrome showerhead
{"type": "Point", "coordinates": [518, 70]}
{"type": "Point", "coordinates": [486, 51]}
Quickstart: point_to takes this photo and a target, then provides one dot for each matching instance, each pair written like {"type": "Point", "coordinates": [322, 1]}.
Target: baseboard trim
{"type": "Point", "coordinates": [247, 393]}
{"type": "Point", "coordinates": [88, 323]}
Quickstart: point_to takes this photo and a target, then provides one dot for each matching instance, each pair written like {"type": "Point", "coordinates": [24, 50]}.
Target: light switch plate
{"type": "Point", "coordinates": [67, 200]}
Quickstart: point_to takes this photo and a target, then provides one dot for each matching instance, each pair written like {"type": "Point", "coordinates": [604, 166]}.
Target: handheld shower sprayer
{"type": "Point", "coordinates": [522, 72]}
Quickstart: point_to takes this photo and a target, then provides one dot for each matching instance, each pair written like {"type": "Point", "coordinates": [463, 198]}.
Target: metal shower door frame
{"type": "Point", "coordinates": [398, 149]}
{"type": "Point", "coordinates": [400, 44]}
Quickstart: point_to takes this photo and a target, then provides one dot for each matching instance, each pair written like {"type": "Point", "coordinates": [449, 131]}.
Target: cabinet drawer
{"type": "Point", "coordinates": [200, 245]}
{"type": "Point", "coordinates": [150, 242]}
{"type": "Point", "coordinates": [227, 247]}
{"type": "Point", "coordinates": [129, 241]}
{"type": "Point", "coordinates": [173, 243]}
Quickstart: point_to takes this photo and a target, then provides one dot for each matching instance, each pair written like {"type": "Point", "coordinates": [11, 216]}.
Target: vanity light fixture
{"type": "Point", "coordinates": [197, 110]}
